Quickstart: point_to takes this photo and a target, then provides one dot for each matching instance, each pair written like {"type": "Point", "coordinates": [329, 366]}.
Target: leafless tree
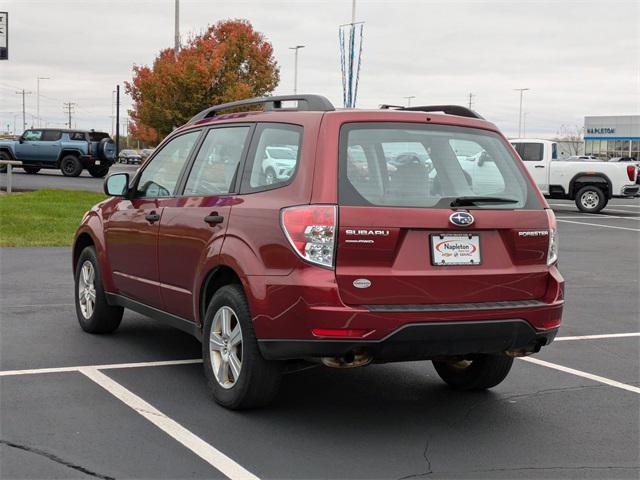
{"type": "Point", "coordinates": [570, 140]}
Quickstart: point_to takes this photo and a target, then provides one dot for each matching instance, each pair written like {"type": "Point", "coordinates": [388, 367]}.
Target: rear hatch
{"type": "Point", "coordinates": [433, 214]}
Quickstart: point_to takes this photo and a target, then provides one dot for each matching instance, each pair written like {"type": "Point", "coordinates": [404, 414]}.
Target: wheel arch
{"type": "Point", "coordinates": [584, 179]}
{"type": "Point", "coordinates": [68, 151]}
{"type": "Point", "coordinates": [8, 151]}
{"type": "Point", "coordinates": [216, 278]}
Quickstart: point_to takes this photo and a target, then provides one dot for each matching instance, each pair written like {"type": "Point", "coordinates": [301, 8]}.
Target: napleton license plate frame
{"type": "Point", "coordinates": [473, 238]}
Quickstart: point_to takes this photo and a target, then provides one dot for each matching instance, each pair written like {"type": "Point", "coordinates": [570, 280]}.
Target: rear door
{"type": "Point", "coordinates": [193, 226]}
{"type": "Point", "coordinates": [49, 150]}
{"type": "Point", "coordinates": [402, 243]}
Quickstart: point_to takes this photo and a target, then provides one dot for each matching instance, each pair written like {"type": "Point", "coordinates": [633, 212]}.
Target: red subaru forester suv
{"type": "Point", "coordinates": [343, 237]}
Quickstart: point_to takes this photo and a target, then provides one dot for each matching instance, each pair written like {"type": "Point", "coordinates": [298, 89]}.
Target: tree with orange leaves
{"type": "Point", "coordinates": [230, 61]}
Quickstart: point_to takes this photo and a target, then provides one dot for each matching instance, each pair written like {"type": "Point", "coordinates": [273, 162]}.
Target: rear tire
{"type": "Point", "coordinates": [70, 166]}
{"type": "Point", "coordinates": [478, 373]}
{"type": "Point", "coordinates": [98, 172]}
{"type": "Point", "coordinates": [591, 199]}
{"type": "Point", "coordinates": [237, 374]}
{"type": "Point", "coordinates": [31, 170]}
{"type": "Point", "coordinates": [94, 314]}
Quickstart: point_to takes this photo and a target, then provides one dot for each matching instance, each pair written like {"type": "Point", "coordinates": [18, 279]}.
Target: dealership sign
{"type": "Point", "coordinates": [4, 36]}
{"type": "Point", "coordinates": [601, 130]}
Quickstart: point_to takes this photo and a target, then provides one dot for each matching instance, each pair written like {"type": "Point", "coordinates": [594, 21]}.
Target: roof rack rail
{"type": "Point", "coordinates": [316, 103]}
{"type": "Point", "coordinates": [458, 110]}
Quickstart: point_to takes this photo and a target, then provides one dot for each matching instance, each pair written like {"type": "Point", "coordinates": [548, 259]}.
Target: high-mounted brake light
{"type": "Point", "coordinates": [311, 231]}
{"type": "Point", "coordinates": [631, 172]}
{"type": "Point", "coordinates": [552, 253]}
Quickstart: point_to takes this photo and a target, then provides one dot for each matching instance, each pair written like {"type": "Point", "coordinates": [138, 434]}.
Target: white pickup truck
{"type": "Point", "coordinates": [590, 183]}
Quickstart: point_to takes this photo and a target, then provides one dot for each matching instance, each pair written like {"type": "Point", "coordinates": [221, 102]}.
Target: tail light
{"type": "Point", "coordinates": [552, 253]}
{"type": "Point", "coordinates": [311, 231]}
{"type": "Point", "coordinates": [631, 172]}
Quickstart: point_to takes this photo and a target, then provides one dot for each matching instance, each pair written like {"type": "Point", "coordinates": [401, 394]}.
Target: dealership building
{"type": "Point", "coordinates": [612, 136]}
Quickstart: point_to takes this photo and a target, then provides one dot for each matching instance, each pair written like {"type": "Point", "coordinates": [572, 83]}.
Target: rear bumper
{"type": "Point", "coordinates": [630, 190]}
{"type": "Point", "coordinates": [287, 309]}
{"type": "Point", "coordinates": [422, 341]}
{"type": "Point", "coordinates": [91, 161]}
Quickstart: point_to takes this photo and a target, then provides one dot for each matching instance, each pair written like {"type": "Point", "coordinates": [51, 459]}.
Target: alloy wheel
{"type": "Point", "coordinates": [87, 289]}
{"type": "Point", "coordinates": [225, 347]}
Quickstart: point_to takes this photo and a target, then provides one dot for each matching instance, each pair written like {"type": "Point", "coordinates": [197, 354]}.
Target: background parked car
{"type": "Point", "coordinates": [69, 150]}
{"type": "Point", "coordinates": [146, 152]}
{"type": "Point", "coordinates": [278, 163]}
{"type": "Point", "coordinates": [129, 157]}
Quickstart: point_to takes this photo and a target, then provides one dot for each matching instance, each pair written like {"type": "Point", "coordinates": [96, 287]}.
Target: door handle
{"type": "Point", "coordinates": [214, 219]}
{"type": "Point", "coordinates": [539, 166]}
{"type": "Point", "coordinates": [152, 217]}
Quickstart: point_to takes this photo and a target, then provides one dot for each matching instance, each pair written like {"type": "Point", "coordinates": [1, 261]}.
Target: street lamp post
{"type": "Point", "coordinates": [295, 67]}
{"type": "Point", "coordinates": [521, 90]}
{"type": "Point", "coordinates": [38, 98]}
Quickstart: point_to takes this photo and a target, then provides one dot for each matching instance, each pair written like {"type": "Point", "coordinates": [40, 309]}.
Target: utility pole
{"type": "Point", "coordinates": [68, 106]}
{"type": "Point", "coordinates": [177, 28]}
{"type": "Point", "coordinates": [117, 120]}
{"type": "Point", "coordinates": [471, 95]}
{"type": "Point", "coordinates": [409, 99]}
{"type": "Point", "coordinates": [38, 98]}
{"type": "Point", "coordinates": [113, 112]}
{"type": "Point", "coordinates": [521, 90]}
{"type": "Point", "coordinates": [524, 124]}
{"type": "Point", "coordinates": [23, 92]}
{"type": "Point", "coordinates": [295, 67]}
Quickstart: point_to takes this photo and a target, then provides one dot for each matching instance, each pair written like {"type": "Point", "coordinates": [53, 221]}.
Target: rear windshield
{"type": "Point", "coordinates": [414, 165]}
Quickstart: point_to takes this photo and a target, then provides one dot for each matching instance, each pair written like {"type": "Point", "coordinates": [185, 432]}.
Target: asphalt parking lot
{"type": "Point", "coordinates": [134, 404]}
{"type": "Point", "coordinates": [54, 179]}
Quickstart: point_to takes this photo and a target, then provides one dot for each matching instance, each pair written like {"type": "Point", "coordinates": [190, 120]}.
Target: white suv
{"type": "Point", "coordinates": [278, 163]}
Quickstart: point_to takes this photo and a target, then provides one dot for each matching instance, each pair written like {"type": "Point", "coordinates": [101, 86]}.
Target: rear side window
{"type": "Point", "coordinates": [413, 165]}
{"type": "Point", "coordinates": [51, 135]}
{"type": "Point", "coordinates": [530, 152]}
{"type": "Point", "coordinates": [274, 156]}
{"type": "Point", "coordinates": [77, 136]}
{"type": "Point", "coordinates": [215, 167]}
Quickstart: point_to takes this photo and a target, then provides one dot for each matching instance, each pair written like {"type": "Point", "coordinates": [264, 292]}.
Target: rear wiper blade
{"type": "Point", "coordinates": [466, 201]}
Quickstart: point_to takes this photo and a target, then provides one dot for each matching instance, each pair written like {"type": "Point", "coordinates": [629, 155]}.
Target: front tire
{"type": "Point", "coordinates": [70, 166]}
{"type": "Point", "coordinates": [477, 373]}
{"type": "Point", "coordinates": [237, 374]}
{"type": "Point", "coordinates": [591, 199]}
{"type": "Point", "coordinates": [94, 314]}
{"type": "Point", "coordinates": [270, 176]}
{"type": "Point", "coordinates": [4, 156]}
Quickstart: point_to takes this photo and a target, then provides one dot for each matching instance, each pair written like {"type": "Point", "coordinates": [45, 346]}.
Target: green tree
{"type": "Point", "coordinates": [230, 61]}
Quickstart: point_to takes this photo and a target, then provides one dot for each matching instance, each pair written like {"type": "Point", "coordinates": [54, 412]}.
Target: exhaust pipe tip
{"type": "Point", "coordinates": [352, 359]}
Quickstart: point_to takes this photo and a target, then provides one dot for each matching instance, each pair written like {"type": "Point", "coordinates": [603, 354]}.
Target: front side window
{"type": "Point", "coordinates": [32, 135]}
{"type": "Point", "coordinates": [160, 177]}
{"type": "Point", "coordinates": [276, 157]}
{"type": "Point", "coordinates": [215, 167]}
{"type": "Point", "coordinates": [409, 165]}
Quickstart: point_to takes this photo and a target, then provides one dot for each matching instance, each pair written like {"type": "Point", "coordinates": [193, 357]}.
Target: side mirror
{"type": "Point", "coordinates": [117, 185]}
{"type": "Point", "coordinates": [21, 140]}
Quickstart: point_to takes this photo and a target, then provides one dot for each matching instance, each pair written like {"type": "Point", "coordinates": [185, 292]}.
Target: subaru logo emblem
{"type": "Point", "coordinates": [461, 219]}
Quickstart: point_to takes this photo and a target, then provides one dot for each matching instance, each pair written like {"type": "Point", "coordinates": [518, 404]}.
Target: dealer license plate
{"type": "Point", "coordinates": [455, 249]}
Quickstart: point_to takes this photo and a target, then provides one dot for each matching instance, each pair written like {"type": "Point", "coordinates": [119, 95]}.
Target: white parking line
{"type": "Point", "coordinates": [595, 337]}
{"type": "Point", "coordinates": [160, 363]}
{"type": "Point", "coordinates": [580, 373]}
{"type": "Point", "coordinates": [603, 226]}
{"type": "Point", "coordinates": [207, 452]}
{"type": "Point", "coordinates": [600, 217]}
